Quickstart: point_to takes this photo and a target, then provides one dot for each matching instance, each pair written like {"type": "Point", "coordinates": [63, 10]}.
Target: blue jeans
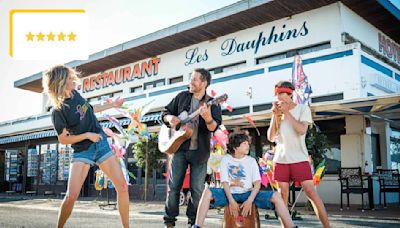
{"type": "Point", "coordinates": [180, 161]}
{"type": "Point", "coordinates": [262, 200]}
{"type": "Point", "coordinates": [97, 153]}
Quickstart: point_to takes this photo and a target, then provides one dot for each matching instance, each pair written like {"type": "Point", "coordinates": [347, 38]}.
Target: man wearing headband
{"type": "Point", "coordinates": [288, 130]}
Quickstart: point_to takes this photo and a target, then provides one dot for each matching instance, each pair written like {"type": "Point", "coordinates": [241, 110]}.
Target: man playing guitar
{"type": "Point", "coordinates": [194, 151]}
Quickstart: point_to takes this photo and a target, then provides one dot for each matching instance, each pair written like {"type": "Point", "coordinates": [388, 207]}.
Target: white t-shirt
{"type": "Point", "coordinates": [239, 173]}
{"type": "Point", "coordinates": [290, 145]}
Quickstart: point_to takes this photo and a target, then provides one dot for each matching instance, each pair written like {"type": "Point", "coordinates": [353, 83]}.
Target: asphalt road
{"type": "Point", "coordinates": [42, 213]}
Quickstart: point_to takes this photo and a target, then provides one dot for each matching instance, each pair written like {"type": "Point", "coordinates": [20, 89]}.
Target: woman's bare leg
{"type": "Point", "coordinates": [112, 169]}
{"type": "Point", "coordinates": [77, 175]}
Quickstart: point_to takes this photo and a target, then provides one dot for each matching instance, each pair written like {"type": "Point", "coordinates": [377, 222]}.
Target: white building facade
{"type": "Point", "coordinates": [351, 65]}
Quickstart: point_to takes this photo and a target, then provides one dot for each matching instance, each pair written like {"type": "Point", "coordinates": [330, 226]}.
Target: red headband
{"type": "Point", "coordinates": [283, 90]}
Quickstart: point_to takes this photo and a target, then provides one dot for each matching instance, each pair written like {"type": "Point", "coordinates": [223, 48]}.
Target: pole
{"type": "Point", "coordinates": [250, 94]}
{"type": "Point", "coordinates": [146, 170]}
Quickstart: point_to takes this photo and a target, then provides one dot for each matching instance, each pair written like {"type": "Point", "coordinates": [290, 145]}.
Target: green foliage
{"type": "Point", "coordinates": [395, 149]}
{"type": "Point", "coordinates": [154, 155]}
{"type": "Point", "coordinates": [317, 144]}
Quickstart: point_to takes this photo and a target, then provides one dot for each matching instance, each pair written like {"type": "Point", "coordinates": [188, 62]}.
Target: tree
{"type": "Point", "coordinates": [395, 150]}
{"type": "Point", "coordinates": [317, 144]}
{"type": "Point", "coordinates": [147, 155]}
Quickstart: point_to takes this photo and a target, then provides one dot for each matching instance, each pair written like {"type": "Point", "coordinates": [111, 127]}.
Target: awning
{"type": "Point", "coordinates": [34, 135]}
{"type": "Point", "coordinates": [127, 121]}
{"type": "Point", "coordinates": [52, 133]}
{"type": "Point", "coordinates": [382, 107]}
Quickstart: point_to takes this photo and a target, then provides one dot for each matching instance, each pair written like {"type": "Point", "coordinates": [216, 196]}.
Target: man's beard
{"type": "Point", "coordinates": [193, 89]}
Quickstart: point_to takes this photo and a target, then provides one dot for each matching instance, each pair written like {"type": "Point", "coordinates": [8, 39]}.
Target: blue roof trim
{"type": "Point", "coordinates": [237, 76]}
{"type": "Point", "coordinates": [34, 135]}
{"type": "Point", "coordinates": [213, 81]}
{"type": "Point", "coordinates": [170, 90]}
{"type": "Point", "coordinates": [313, 60]}
{"type": "Point", "coordinates": [376, 66]}
{"type": "Point", "coordinates": [135, 97]}
{"type": "Point", "coordinates": [390, 7]}
{"type": "Point", "coordinates": [151, 117]}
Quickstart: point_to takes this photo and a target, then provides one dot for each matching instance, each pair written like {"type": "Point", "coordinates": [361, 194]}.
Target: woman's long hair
{"type": "Point", "coordinates": [54, 82]}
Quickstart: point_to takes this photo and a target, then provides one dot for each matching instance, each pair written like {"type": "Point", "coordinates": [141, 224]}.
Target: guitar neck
{"type": "Point", "coordinates": [197, 112]}
{"type": "Point", "coordinates": [191, 116]}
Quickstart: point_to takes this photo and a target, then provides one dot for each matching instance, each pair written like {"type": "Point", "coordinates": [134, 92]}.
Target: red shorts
{"type": "Point", "coordinates": [299, 172]}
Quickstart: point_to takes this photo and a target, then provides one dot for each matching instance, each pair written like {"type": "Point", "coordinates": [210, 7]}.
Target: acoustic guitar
{"type": "Point", "coordinates": [170, 139]}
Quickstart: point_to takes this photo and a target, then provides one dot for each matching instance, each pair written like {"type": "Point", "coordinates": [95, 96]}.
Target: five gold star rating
{"type": "Point", "coordinates": [50, 36]}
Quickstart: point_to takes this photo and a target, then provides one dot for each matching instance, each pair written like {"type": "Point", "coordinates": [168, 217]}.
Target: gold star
{"type": "Point", "coordinates": [29, 36]}
{"type": "Point", "coordinates": [61, 36]}
{"type": "Point", "coordinates": [71, 36]}
{"type": "Point", "coordinates": [235, 170]}
{"type": "Point", "coordinates": [50, 37]}
{"type": "Point", "coordinates": [40, 36]}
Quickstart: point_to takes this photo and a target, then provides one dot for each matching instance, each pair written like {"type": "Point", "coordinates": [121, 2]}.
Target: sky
{"type": "Point", "coordinates": [109, 25]}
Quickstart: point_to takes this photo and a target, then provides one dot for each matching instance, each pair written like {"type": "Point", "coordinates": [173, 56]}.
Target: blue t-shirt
{"type": "Point", "coordinates": [77, 116]}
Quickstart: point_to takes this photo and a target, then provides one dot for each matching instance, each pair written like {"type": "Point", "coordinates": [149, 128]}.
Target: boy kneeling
{"type": "Point", "coordinates": [241, 180]}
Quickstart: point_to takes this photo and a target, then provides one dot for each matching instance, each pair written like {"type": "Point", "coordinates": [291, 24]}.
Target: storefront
{"type": "Point", "coordinates": [41, 166]}
{"type": "Point", "coordinates": [353, 67]}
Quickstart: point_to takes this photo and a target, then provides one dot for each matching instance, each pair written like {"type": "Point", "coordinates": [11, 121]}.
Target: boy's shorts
{"type": "Point", "coordinates": [262, 200]}
{"type": "Point", "coordinates": [297, 172]}
{"type": "Point", "coordinates": [95, 154]}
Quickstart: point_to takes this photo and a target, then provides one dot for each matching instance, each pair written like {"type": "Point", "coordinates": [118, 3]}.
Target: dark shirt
{"type": "Point", "coordinates": [77, 116]}
{"type": "Point", "coordinates": [182, 103]}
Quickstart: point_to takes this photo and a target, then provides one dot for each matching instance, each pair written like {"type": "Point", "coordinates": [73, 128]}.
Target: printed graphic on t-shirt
{"type": "Point", "coordinates": [236, 174]}
{"type": "Point", "coordinates": [82, 109]}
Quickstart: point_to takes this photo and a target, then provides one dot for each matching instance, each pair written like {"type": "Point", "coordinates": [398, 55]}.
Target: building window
{"type": "Point", "coordinates": [176, 80]}
{"type": "Point", "coordinates": [270, 58]}
{"type": "Point", "coordinates": [136, 89]}
{"type": "Point", "coordinates": [314, 48]}
{"type": "Point", "coordinates": [332, 97]}
{"type": "Point", "coordinates": [231, 67]}
{"type": "Point", "coordinates": [293, 52]}
{"type": "Point", "coordinates": [160, 83]}
{"type": "Point", "coordinates": [153, 84]}
{"type": "Point", "coordinates": [117, 94]}
{"type": "Point", "coordinates": [48, 164]}
{"type": "Point", "coordinates": [13, 172]}
{"type": "Point", "coordinates": [105, 96]}
{"type": "Point", "coordinates": [64, 160]}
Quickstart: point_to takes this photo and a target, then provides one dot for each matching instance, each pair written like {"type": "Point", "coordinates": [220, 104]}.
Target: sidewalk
{"type": "Point", "coordinates": [150, 214]}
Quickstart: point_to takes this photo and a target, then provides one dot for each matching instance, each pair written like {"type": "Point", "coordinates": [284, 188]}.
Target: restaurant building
{"type": "Point", "coordinates": [350, 53]}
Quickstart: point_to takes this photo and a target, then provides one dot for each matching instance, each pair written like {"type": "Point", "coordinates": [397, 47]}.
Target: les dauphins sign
{"type": "Point", "coordinates": [121, 75]}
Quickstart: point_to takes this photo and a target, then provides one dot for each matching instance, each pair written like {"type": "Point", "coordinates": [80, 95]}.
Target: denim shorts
{"type": "Point", "coordinates": [262, 200]}
{"type": "Point", "coordinates": [95, 154]}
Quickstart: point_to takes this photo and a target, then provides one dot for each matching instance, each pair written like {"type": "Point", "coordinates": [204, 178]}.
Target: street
{"type": "Point", "coordinates": [43, 213]}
